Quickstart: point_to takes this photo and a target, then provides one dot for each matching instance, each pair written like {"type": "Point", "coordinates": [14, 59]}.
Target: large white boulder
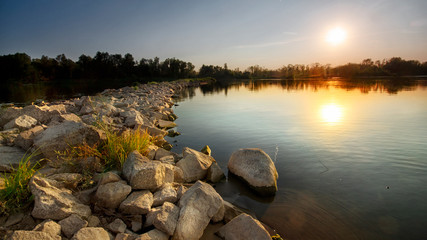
{"type": "Point", "coordinates": [51, 202]}
{"type": "Point", "coordinates": [198, 205]}
{"type": "Point", "coordinates": [256, 168]}
{"type": "Point", "coordinates": [194, 165]}
{"type": "Point", "coordinates": [142, 173]}
{"type": "Point", "coordinates": [60, 137]}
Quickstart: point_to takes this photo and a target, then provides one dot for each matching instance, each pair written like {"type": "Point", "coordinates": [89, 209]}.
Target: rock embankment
{"type": "Point", "coordinates": [158, 195]}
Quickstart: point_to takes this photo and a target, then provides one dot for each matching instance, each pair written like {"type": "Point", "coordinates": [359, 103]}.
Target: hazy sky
{"type": "Point", "coordinates": [270, 33]}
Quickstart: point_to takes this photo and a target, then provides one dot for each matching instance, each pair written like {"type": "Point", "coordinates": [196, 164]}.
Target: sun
{"type": "Point", "coordinates": [336, 36]}
{"type": "Point", "coordinates": [331, 113]}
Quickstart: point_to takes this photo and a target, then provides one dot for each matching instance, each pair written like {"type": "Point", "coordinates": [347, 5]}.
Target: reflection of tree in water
{"type": "Point", "coordinates": [391, 86]}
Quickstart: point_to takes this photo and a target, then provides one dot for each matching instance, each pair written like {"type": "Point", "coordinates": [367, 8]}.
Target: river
{"type": "Point", "coordinates": [351, 155]}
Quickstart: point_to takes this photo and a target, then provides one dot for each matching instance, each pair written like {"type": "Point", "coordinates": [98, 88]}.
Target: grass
{"type": "Point", "coordinates": [16, 194]}
{"type": "Point", "coordinates": [112, 152]}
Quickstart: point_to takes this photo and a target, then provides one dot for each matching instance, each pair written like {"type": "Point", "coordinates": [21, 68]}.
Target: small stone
{"type": "Point", "coordinates": [93, 221]}
{"type": "Point", "coordinates": [91, 233]}
{"type": "Point", "coordinates": [138, 202]}
{"type": "Point", "coordinates": [14, 219]}
{"type": "Point", "coordinates": [23, 235]}
{"type": "Point", "coordinates": [72, 224]}
{"type": "Point", "coordinates": [166, 194]}
{"type": "Point", "coordinates": [117, 226]}
{"type": "Point", "coordinates": [154, 234]}
{"type": "Point", "coordinates": [50, 227]}
{"type": "Point", "coordinates": [110, 195]}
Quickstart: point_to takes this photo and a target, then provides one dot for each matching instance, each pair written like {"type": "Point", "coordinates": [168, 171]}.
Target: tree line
{"type": "Point", "coordinates": [20, 67]}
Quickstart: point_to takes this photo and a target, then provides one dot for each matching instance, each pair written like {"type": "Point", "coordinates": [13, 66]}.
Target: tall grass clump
{"type": "Point", "coordinates": [16, 194]}
{"type": "Point", "coordinates": [114, 150]}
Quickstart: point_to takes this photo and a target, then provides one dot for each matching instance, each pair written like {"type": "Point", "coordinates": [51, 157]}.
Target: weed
{"type": "Point", "coordinates": [17, 195]}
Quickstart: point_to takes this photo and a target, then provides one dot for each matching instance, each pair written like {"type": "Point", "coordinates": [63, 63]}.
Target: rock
{"type": "Point", "coordinates": [117, 226]}
{"type": "Point", "coordinates": [153, 235]}
{"type": "Point", "coordinates": [60, 137]}
{"type": "Point", "coordinates": [125, 236]}
{"type": "Point", "coordinates": [243, 227]}
{"type": "Point", "coordinates": [168, 160]}
{"type": "Point", "coordinates": [10, 157]}
{"type": "Point", "coordinates": [149, 218]}
{"type": "Point", "coordinates": [44, 114]}
{"type": "Point", "coordinates": [110, 195]}
{"type": "Point", "coordinates": [173, 133]}
{"type": "Point", "coordinates": [138, 202]}
{"type": "Point", "coordinates": [22, 122]}
{"type": "Point", "coordinates": [194, 164]}
{"type": "Point", "coordinates": [231, 211]}
{"type": "Point", "coordinates": [25, 138]}
{"type": "Point", "coordinates": [215, 173]}
{"type": "Point", "coordinates": [70, 180]}
{"type": "Point", "coordinates": [50, 227]}
{"type": "Point", "coordinates": [14, 219]}
{"type": "Point", "coordinates": [91, 233]}
{"type": "Point", "coordinates": [143, 173]}
{"type": "Point", "coordinates": [66, 117]}
{"type": "Point", "coordinates": [93, 221]}
{"type": "Point", "coordinates": [153, 131]}
{"type": "Point", "coordinates": [8, 114]}
{"type": "Point", "coordinates": [53, 203]}
{"type": "Point", "coordinates": [198, 205]}
{"type": "Point", "coordinates": [256, 168]}
{"type": "Point", "coordinates": [109, 177]}
{"type": "Point", "coordinates": [219, 216]}
{"type": "Point", "coordinates": [180, 191]}
{"type": "Point", "coordinates": [133, 118]}
{"type": "Point", "coordinates": [72, 224]}
{"type": "Point", "coordinates": [24, 235]}
{"type": "Point", "coordinates": [178, 175]}
{"type": "Point", "coordinates": [165, 194]}
{"type": "Point", "coordinates": [169, 173]}
{"type": "Point", "coordinates": [160, 153]}
{"type": "Point", "coordinates": [152, 151]}
{"type": "Point", "coordinates": [166, 218]}
{"type": "Point", "coordinates": [27, 223]}
{"type": "Point", "coordinates": [206, 150]}
{"type": "Point", "coordinates": [166, 124]}
{"type": "Point", "coordinates": [136, 225]}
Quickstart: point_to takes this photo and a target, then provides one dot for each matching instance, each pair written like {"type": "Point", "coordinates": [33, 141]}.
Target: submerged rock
{"type": "Point", "coordinates": [256, 168]}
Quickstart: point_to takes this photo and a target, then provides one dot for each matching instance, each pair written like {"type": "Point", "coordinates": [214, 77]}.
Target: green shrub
{"type": "Point", "coordinates": [17, 195]}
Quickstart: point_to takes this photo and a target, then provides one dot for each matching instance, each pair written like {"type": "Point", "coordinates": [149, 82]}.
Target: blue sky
{"type": "Point", "coordinates": [270, 33]}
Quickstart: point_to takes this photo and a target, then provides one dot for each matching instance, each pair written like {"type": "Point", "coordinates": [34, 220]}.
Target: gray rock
{"type": "Point", "coordinates": [53, 203]}
{"type": "Point", "coordinates": [109, 177]}
{"type": "Point", "coordinates": [44, 114]}
{"type": "Point", "coordinates": [154, 234]}
{"type": "Point", "coordinates": [165, 194]}
{"type": "Point", "coordinates": [143, 173]}
{"type": "Point", "coordinates": [215, 173]}
{"type": "Point", "coordinates": [110, 195]}
{"type": "Point", "coordinates": [166, 218]}
{"type": "Point", "coordinates": [256, 168]}
{"type": "Point", "coordinates": [138, 202]}
{"type": "Point", "coordinates": [14, 219]}
{"type": "Point", "coordinates": [93, 221]}
{"type": "Point", "coordinates": [91, 233]}
{"type": "Point", "coordinates": [169, 173]}
{"type": "Point", "coordinates": [219, 216]}
{"type": "Point", "coordinates": [166, 124]}
{"type": "Point", "coordinates": [243, 227]}
{"type": "Point", "coordinates": [8, 114]}
{"type": "Point", "coordinates": [50, 227]}
{"type": "Point", "coordinates": [24, 235]}
{"type": "Point", "coordinates": [178, 175]}
{"type": "Point", "coordinates": [160, 153]}
{"type": "Point", "coordinates": [10, 157]}
{"type": "Point", "coordinates": [22, 122]}
{"type": "Point", "coordinates": [117, 226]}
{"type": "Point", "coordinates": [25, 138]}
{"type": "Point", "coordinates": [60, 137]}
{"type": "Point", "coordinates": [198, 205]}
{"type": "Point", "coordinates": [194, 165]}
{"type": "Point", "coordinates": [72, 224]}
{"type": "Point", "coordinates": [70, 180]}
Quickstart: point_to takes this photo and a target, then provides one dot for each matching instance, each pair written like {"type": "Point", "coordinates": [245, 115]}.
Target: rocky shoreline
{"type": "Point", "coordinates": [157, 194]}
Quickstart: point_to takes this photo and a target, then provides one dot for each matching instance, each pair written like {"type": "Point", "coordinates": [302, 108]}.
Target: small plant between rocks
{"type": "Point", "coordinates": [16, 194]}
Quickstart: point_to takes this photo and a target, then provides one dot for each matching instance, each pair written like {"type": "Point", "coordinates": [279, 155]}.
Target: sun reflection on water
{"type": "Point", "coordinates": [331, 113]}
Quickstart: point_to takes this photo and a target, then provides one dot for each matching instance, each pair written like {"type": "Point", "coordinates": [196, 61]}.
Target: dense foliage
{"type": "Point", "coordinates": [20, 67]}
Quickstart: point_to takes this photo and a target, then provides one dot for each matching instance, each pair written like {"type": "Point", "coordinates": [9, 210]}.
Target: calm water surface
{"type": "Point", "coordinates": [351, 156]}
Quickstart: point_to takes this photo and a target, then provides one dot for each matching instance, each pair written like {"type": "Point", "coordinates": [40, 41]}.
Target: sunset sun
{"type": "Point", "coordinates": [336, 36]}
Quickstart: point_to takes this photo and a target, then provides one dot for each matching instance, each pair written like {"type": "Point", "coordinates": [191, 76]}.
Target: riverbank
{"type": "Point", "coordinates": [151, 195]}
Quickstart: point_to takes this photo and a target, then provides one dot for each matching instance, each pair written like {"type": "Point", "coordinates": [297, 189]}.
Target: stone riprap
{"type": "Point", "coordinates": [158, 195]}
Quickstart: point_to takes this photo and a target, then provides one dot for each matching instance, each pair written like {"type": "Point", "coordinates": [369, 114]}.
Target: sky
{"type": "Point", "coordinates": [268, 33]}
